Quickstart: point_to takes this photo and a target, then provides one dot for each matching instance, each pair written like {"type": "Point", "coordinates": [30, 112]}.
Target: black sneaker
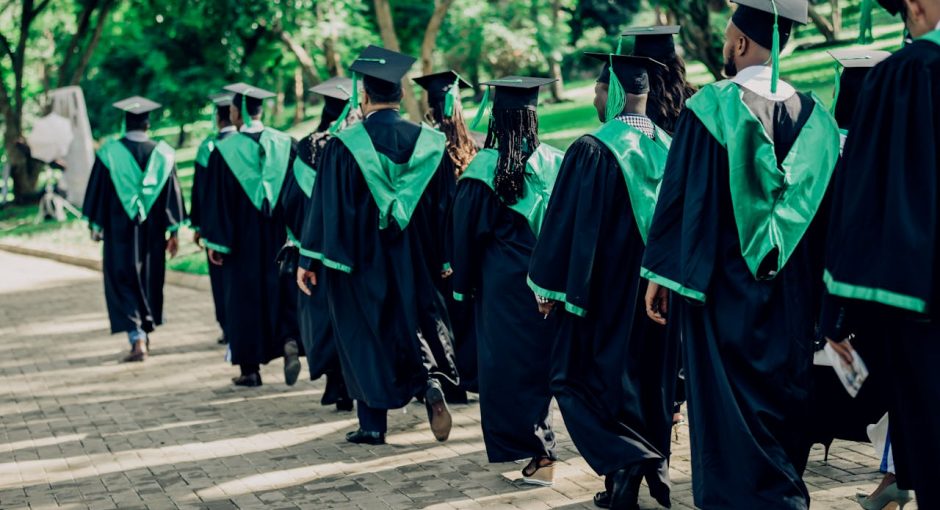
{"type": "Point", "coordinates": [365, 437]}
{"type": "Point", "coordinates": [248, 381]}
{"type": "Point", "coordinates": [291, 362]}
{"type": "Point", "coordinates": [438, 413]}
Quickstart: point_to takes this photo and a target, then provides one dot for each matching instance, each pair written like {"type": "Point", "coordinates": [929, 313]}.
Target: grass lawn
{"type": "Point", "coordinates": [809, 70]}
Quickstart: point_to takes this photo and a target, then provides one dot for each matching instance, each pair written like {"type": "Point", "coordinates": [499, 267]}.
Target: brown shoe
{"type": "Point", "coordinates": [438, 413]}
{"type": "Point", "coordinates": [134, 357]}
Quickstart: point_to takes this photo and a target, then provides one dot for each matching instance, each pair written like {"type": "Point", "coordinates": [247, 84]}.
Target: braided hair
{"type": "Point", "coordinates": [514, 134]}
{"type": "Point", "coordinates": [669, 91]}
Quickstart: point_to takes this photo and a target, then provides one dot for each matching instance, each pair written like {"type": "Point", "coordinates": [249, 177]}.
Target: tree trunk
{"type": "Point", "coordinates": [301, 105]}
{"type": "Point", "coordinates": [822, 24]}
{"type": "Point", "coordinates": [92, 45]}
{"type": "Point", "coordinates": [181, 137]}
{"type": "Point", "coordinates": [697, 37]}
{"type": "Point", "coordinates": [278, 97]}
{"type": "Point", "coordinates": [836, 16]}
{"type": "Point", "coordinates": [429, 43]}
{"type": "Point", "coordinates": [383, 14]}
{"type": "Point", "coordinates": [306, 61]}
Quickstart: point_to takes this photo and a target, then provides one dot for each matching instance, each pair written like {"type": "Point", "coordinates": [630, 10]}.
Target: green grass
{"type": "Point", "coordinates": [560, 123]}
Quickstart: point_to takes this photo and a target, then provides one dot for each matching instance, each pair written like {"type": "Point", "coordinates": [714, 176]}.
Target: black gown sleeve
{"type": "Point", "coordinates": [96, 206]}
{"type": "Point", "coordinates": [474, 212]}
{"type": "Point", "coordinates": [562, 263]}
{"type": "Point", "coordinates": [882, 245]}
{"type": "Point", "coordinates": [195, 196]}
{"type": "Point", "coordinates": [175, 207]}
{"type": "Point", "coordinates": [217, 229]}
{"type": "Point", "coordinates": [683, 237]}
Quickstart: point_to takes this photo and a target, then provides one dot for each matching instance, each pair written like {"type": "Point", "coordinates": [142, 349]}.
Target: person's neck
{"type": "Point", "coordinates": [368, 110]}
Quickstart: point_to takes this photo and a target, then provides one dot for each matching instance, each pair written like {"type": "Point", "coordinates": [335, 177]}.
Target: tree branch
{"type": "Point", "coordinates": [430, 34]}
{"type": "Point", "coordinates": [306, 61]}
{"type": "Point", "coordinates": [383, 13]}
{"type": "Point", "coordinates": [80, 31]}
{"type": "Point", "coordinates": [42, 5]}
{"type": "Point", "coordinates": [89, 50]}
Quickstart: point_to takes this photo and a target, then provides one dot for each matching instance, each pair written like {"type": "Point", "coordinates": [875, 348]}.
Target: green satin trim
{"type": "Point", "coordinates": [642, 161]}
{"type": "Point", "coordinates": [216, 247]}
{"type": "Point", "coordinates": [445, 267]}
{"type": "Point", "coordinates": [305, 176]}
{"type": "Point", "coordinates": [332, 264]}
{"type": "Point", "coordinates": [260, 166]}
{"type": "Point", "coordinates": [541, 172]}
{"type": "Point", "coordinates": [933, 37]}
{"type": "Point", "coordinates": [772, 208]}
{"type": "Point", "coordinates": [137, 189]}
{"type": "Point", "coordinates": [396, 188]}
{"type": "Point", "coordinates": [885, 297]}
{"type": "Point", "coordinates": [458, 297]}
{"type": "Point", "coordinates": [671, 285]}
{"type": "Point", "coordinates": [560, 297]}
{"type": "Point", "coordinates": [205, 150]}
{"type": "Point", "coordinates": [290, 237]}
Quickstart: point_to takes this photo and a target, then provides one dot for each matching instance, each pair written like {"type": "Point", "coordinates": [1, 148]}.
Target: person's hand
{"type": "Point", "coordinates": [546, 307]}
{"type": "Point", "coordinates": [303, 277]}
{"type": "Point", "coordinates": [447, 273]}
{"type": "Point", "coordinates": [657, 303]}
{"type": "Point", "coordinates": [197, 237]}
{"type": "Point", "coordinates": [173, 246]}
{"type": "Point", "coordinates": [96, 235]}
{"type": "Point", "coordinates": [215, 257]}
{"type": "Point", "coordinates": [843, 349]}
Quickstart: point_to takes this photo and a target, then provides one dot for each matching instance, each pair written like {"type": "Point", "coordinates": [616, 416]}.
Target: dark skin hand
{"type": "Point", "coordinates": [215, 257]}
{"type": "Point", "coordinates": [657, 303]}
{"type": "Point", "coordinates": [172, 246]}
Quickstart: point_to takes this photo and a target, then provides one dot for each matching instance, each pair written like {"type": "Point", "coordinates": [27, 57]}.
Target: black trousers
{"type": "Point", "coordinates": [371, 419]}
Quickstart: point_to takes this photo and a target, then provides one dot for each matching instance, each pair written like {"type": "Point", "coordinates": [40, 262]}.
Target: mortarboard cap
{"type": "Point", "coordinates": [654, 42]}
{"type": "Point", "coordinates": [221, 99]}
{"type": "Point", "coordinates": [243, 89]}
{"type": "Point", "coordinates": [136, 105]}
{"type": "Point", "coordinates": [336, 88]}
{"type": "Point", "coordinates": [757, 19]}
{"type": "Point", "coordinates": [248, 98]}
{"type": "Point", "coordinates": [517, 92]}
{"type": "Point", "coordinates": [892, 6]}
{"type": "Point", "coordinates": [439, 84]}
{"type": "Point", "coordinates": [632, 71]}
{"type": "Point", "coordinates": [855, 65]}
{"type": "Point", "coordinates": [382, 64]}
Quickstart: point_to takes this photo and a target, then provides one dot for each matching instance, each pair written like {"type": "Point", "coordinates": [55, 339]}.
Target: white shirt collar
{"type": "Point", "coordinates": [256, 127]}
{"type": "Point", "coordinates": [938, 25]}
{"type": "Point", "coordinates": [137, 136]}
{"type": "Point", "coordinates": [227, 129]}
{"type": "Point", "coordinates": [757, 80]}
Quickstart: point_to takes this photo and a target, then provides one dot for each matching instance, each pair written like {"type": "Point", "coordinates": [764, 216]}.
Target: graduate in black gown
{"type": "Point", "coordinates": [313, 314]}
{"type": "Point", "coordinates": [446, 115]}
{"type": "Point", "coordinates": [133, 203]}
{"type": "Point", "coordinates": [739, 234]}
{"type": "Point", "coordinates": [244, 229]}
{"type": "Point", "coordinates": [613, 370]}
{"type": "Point", "coordinates": [374, 224]}
{"type": "Point", "coordinates": [224, 128]}
{"type": "Point", "coordinates": [882, 258]}
{"type": "Point", "coordinates": [501, 201]}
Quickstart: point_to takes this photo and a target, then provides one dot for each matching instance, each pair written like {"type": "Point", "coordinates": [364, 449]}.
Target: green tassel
{"type": "Point", "coordinates": [484, 105]}
{"type": "Point", "coordinates": [352, 103]}
{"type": "Point", "coordinates": [620, 45]}
{"type": "Point", "coordinates": [835, 93]}
{"type": "Point", "coordinates": [616, 95]}
{"type": "Point", "coordinates": [246, 119]}
{"type": "Point", "coordinates": [775, 52]}
{"type": "Point", "coordinates": [453, 95]}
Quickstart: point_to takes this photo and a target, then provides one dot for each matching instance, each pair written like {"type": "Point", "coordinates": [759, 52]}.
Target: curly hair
{"type": "Point", "coordinates": [669, 91]}
{"type": "Point", "coordinates": [514, 134]}
{"type": "Point", "coordinates": [460, 145]}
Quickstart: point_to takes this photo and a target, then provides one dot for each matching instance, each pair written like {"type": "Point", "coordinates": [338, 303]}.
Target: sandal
{"type": "Point", "coordinates": [539, 471]}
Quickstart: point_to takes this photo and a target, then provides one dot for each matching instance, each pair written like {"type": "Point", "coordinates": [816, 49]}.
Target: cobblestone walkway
{"type": "Point", "coordinates": [80, 430]}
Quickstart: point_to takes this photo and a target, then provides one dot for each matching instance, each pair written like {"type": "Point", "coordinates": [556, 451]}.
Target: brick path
{"type": "Point", "coordinates": [80, 430]}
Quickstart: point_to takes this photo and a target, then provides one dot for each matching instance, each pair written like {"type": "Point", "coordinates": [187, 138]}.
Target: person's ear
{"type": "Point", "coordinates": [742, 46]}
{"type": "Point", "coordinates": [915, 10]}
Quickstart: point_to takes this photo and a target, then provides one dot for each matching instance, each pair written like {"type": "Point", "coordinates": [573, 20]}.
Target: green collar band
{"type": "Point", "coordinates": [137, 189]}
{"type": "Point", "coordinates": [259, 166]}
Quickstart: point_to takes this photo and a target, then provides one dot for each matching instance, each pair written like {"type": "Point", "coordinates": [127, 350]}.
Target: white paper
{"type": "Point", "coordinates": [852, 376]}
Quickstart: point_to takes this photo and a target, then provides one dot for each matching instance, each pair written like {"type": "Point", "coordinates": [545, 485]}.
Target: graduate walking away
{"type": "Point", "coordinates": [374, 223]}
{"type": "Point", "coordinates": [446, 115]}
{"type": "Point", "coordinates": [739, 233]}
{"type": "Point", "coordinates": [313, 314]}
{"type": "Point", "coordinates": [133, 203]}
{"type": "Point", "coordinates": [498, 212]}
{"type": "Point", "coordinates": [882, 262]}
{"type": "Point", "coordinates": [243, 231]}
{"type": "Point", "coordinates": [613, 370]}
{"type": "Point", "coordinates": [225, 128]}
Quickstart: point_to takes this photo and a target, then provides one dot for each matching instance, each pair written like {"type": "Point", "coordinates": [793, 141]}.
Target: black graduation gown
{"type": "Point", "coordinates": [492, 246]}
{"type": "Point", "coordinates": [259, 317]}
{"type": "Point", "coordinates": [134, 255]}
{"type": "Point", "coordinates": [197, 198]}
{"type": "Point", "coordinates": [748, 349]}
{"type": "Point", "coordinates": [884, 236]}
{"type": "Point", "coordinates": [313, 314]}
{"type": "Point", "coordinates": [389, 318]}
{"type": "Point", "coordinates": [590, 247]}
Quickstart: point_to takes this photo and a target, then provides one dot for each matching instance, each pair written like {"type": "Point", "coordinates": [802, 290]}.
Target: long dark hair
{"type": "Point", "coordinates": [668, 92]}
{"type": "Point", "coordinates": [460, 145]}
{"type": "Point", "coordinates": [515, 135]}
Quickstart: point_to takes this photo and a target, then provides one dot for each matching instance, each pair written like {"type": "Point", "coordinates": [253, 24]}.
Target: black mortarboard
{"type": "Point", "coordinates": [855, 65]}
{"type": "Point", "coordinates": [223, 99]}
{"type": "Point", "coordinates": [136, 105]}
{"type": "Point", "coordinates": [439, 84]}
{"type": "Point", "coordinates": [382, 69]}
{"type": "Point", "coordinates": [254, 98]}
{"type": "Point", "coordinates": [655, 42]}
{"type": "Point", "coordinates": [517, 92]}
{"type": "Point", "coordinates": [336, 93]}
{"type": "Point", "coordinates": [756, 19]}
{"type": "Point", "coordinates": [892, 6]}
{"type": "Point", "coordinates": [632, 71]}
